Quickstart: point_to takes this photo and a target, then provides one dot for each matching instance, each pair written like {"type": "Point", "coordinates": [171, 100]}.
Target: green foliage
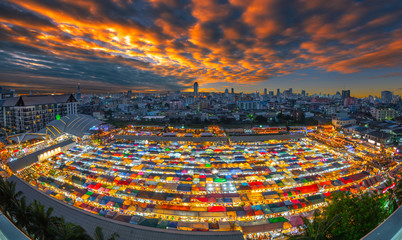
{"type": "Point", "coordinates": [347, 216]}
{"type": "Point", "coordinates": [394, 195]}
{"type": "Point", "coordinates": [21, 213]}
{"type": "Point", "coordinates": [317, 229]}
{"type": "Point", "coordinates": [261, 119]}
{"type": "Point", "coordinates": [358, 215]}
{"type": "Point", "coordinates": [40, 221]}
{"type": "Point", "coordinates": [98, 235]}
{"type": "Point", "coordinates": [37, 221]}
{"type": "Point", "coordinates": [311, 121]}
{"type": "Point", "coordinates": [8, 197]}
{"type": "Point", "coordinates": [67, 231]}
{"type": "Point", "coordinates": [398, 191]}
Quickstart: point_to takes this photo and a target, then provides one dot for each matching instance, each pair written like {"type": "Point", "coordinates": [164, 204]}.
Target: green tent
{"type": "Point", "coordinates": [278, 219]}
{"type": "Point", "coordinates": [149, 222]}
{"type": "Point", "coordinates": [163, 224]}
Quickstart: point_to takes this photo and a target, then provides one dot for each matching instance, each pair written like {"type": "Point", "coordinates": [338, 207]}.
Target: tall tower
{"type": "Point", "coordinates": [78, 95]}
{"type": "Point", "coordinates": [386, 96]}
{"type": "Point", "coordinates": [196, 89]}
{"type": "Point", "coordinates": [265, 92]}
{"type": "Point", "coordinates": [345, 94]}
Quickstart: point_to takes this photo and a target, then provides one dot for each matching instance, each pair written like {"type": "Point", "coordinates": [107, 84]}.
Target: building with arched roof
{"type": "Point", "coordinates": [74, 124]}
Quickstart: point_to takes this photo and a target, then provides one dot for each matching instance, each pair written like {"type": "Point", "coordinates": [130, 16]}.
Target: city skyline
{"type": "Point", "coordinates": [146, 46]}
{"type": "Point", "coordinates": [261, 92]}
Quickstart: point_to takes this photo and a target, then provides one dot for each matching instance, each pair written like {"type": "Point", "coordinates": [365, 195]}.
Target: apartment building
{"type": "Point", "coordinates": [33, 112]}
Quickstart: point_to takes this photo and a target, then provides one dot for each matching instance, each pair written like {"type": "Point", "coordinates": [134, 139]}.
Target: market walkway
{"type": "Point", "coordinates": [126, 231]}
{"type": "Point", "coordinates": [390, 229]}
{"type": "Point", "coordinates": [251, 138]}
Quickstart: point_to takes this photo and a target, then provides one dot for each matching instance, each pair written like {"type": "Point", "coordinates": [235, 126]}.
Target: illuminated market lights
{"type": "Point", "coordinates": [248, 182]}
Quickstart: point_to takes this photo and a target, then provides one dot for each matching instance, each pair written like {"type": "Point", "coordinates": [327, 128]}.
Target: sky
{"type": "Point", "coordinates": [158, 45]}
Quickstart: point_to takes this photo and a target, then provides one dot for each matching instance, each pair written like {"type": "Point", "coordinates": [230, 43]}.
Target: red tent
{"type": "Point", "coordinates": [217, 209]}
{"type": "Point", "coordinates": [308, 189]}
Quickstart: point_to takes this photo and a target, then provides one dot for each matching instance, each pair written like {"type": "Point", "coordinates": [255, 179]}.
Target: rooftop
{"type": "Point", "coordinates": [32, 100]}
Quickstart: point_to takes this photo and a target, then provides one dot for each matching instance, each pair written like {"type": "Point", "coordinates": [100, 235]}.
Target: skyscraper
{"type": "Point", "coordinates": [303, 93]}
{"type": "Point", "coordinates": [78, 95]}
{"type": "Point", "coordinates": [196, 89]}
{"type": "Point", "coordinates": [278, 92]}
{"type": "Point", "coordinates": [265, 92]}
{"type": "Point", "coordinates": [386, 96]}
{"type": "Point", "coordinates": [345, 94]}
{"type": "Point", "coordinates": [232, 91]}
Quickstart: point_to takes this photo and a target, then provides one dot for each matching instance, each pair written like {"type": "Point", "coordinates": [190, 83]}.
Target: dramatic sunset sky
{"type": "Point", "coordinates": [116, 45]}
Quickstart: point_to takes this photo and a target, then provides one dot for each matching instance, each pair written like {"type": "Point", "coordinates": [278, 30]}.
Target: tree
{"type": "Point", "coordinates": [317, 229]}
{"type": "Point", "coordinates": [8, 197]}
{"type": "Point", "coordinates": [61, 230]}
{"type": "Point", "coordinates": [41, 220]}
{"type": "Point", "coordinates": [398, 191]}
{"type": "Point", "coordinates": [22, 214]}
{"type": "Point", "coordinates": [394, 194]}
{"type": "Point", "coordinates": [98, 235]}
{"type": "Point", "coordinates": [311, 121]}
{"type": "Point", "coordinates": [358, 214]}
{"type": "Point", "coordinates": [37, 220]}
{"type": "Point", "coordinates": [261, 119]}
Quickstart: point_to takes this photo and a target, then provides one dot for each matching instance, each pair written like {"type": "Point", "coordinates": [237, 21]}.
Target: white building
{"type": "Point", "coordinates": [340, 121]}
{"type": "Point", "coordinates": [33, 112]}
{"type": "Point", "coordinates": [381, 114]}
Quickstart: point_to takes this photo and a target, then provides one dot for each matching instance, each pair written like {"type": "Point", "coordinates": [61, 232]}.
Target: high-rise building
{"type": "Point", "coordinates": [78, 94]}
{"type": "Point", "coordinates": [196, 89]}
{"type": "Point", "coordinates": [232, 91]}
{"type": "Point", "coordinates": [226, 91]}
{"type": "Point", "coordinates": [265, 92]}
{"type": "Point", "coordinates": [290, 90]}
{"type": "Point", "coordinates": [271, 93]}
{"type": "Point", "coordinates": [303, 93]}
{"type": "Point", "coordinates": [278, 92]}
{"type": "Point", "coordinates": [386, 96]}
{"type": "Point", "coordinates": [345, 94]}
{"type": "Point", "coordinates": [33, 112]}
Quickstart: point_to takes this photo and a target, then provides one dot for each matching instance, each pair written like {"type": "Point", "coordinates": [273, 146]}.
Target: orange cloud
{"type": "Point", "coordinates": [237, 41]}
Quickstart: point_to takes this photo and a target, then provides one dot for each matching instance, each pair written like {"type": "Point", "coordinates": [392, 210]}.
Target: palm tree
{"type": "Point", "coordinates": [41, 220]}
{"type": "Point", "coordinates": [22, 213]}
{"type": "Point", "coordinates": [318, 229]}
{"type": "Point", "coordinates": [8, 197]}
{"type": "Point", "coordinates": [60, 230]}
{"type": "Point", "coordinates": [98, 235]}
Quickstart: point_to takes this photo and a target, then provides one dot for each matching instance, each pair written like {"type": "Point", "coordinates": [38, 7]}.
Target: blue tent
{"type": "Point", "coordinates": [172, 225]}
